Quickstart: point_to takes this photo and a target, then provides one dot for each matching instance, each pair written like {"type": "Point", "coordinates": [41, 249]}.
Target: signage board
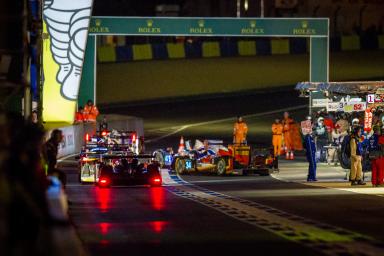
{"type": "Point", "coordinates": [335, 106]}
{"type": "Point", "coordinates": [306, 127]}
{"type": "Point", "coordinates": [355, 107]}
{"type": "Point", "coordinates": [319, 102]}
{"type": "Point", "coordinates": [285, 27]}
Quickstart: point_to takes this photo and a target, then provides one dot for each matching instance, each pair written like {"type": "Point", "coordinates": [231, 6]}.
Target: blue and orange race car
{"type": "Point", "coordinates": [211, 156]}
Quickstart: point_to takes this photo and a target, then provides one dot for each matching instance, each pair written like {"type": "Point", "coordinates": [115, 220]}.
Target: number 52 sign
{"type": "Point", "coordinates": [355, 107]}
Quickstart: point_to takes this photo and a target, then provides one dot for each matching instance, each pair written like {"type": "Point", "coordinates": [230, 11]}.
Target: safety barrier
{"type": "Point", "coordinates": [228, 47]}
{"type": "Point", "coordinates": [73, 136]}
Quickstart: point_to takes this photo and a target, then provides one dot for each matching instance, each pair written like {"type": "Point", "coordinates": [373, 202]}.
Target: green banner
{"type": "Point", "coordinates": [277, 27]}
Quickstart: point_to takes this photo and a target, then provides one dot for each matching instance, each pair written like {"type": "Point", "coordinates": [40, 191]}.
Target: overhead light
{"type": "Point", "coordinates": [246, 5]}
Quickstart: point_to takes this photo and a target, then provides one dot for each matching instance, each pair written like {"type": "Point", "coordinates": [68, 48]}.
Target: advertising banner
{"type": "Point", "coordinates": [65, 32]}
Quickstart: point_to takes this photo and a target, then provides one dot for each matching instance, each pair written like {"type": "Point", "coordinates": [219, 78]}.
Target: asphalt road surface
{"type": "Point", "coordinates": [213, 118]}
{"type": "Point", "coordinates": [210, 215]}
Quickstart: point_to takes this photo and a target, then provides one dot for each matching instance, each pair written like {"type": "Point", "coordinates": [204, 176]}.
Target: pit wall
{"type": "Point", "coordinates": [74, 135]}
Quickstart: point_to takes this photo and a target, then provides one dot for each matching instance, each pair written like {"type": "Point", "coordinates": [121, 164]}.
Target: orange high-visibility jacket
{"type": "Point", "coordinates": [240, 132]}
{"type": "Point", "coordinates": [79, 117]}
{"type": "Point", "coordinates": [277, 129]}
{"type": "Point", "coordinates": [90, 113]}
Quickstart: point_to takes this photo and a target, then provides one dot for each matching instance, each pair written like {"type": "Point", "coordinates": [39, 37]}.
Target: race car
{"type": "Point", "coordinates": [89, 163]}
{"type": "Point", "coordinates": [262, 162]}
{"type": "Point", "coordinates": [101, 143]}
{"type": "Point", "coordinates": [122, 169]}
{"type": "Point", "coordinates": [212, 156]}
{"type": "Point", "coordinates": [114, 140]}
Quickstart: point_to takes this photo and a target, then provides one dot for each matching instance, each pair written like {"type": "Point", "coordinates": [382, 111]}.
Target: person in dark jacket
{"type": "Point", "coordinates": [310, 147]}
{"type": "Point", "coordinates": [24, 214]}
{"type": "Point", "coordinates": [51, 148]}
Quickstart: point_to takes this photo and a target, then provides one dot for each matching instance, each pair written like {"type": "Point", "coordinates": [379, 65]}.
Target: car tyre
{"type": "Point", "coordinates": [180, 166]}
{"type": "Point", "coordinates": [220, 167]}
{"type": "Point", "coordinates": [159, 158]}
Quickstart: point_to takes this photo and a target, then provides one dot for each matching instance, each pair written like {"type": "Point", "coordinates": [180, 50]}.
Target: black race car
{"type": "Point", "coordinates": [120, 169]}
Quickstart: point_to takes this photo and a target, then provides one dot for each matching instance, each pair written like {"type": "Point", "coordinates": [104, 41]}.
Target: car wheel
{"type": "Point", "coordinates": [159, 158]}
{"type": "Point", "coordinates": [220, 167]}
{"type": "Point", "coordinates": [180, 166]}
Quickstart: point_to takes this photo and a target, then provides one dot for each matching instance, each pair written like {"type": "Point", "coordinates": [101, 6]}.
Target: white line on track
{"type": "Point", "coordinates": [64, 158]}
{"type": "Point", "coordinates": [178, 129]}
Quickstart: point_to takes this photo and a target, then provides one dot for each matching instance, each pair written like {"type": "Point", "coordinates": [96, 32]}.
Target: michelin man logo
{"type": "Point", "coordinates": [67, 24]}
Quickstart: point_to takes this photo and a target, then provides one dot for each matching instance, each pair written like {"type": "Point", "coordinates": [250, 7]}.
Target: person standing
{"type": "Point", "coordinates": [79, 115]}
{"type": "Point", "coordinates": [287, 127]}
{"type": "Point", "coordinates": [103, 126]}
{"type": "Point", "coordinates": [332, 154]}
{"type": "Point", "coordinates": [277, 137]}
{"type": "Point", "coordinates": [90, 112]}
{"type": "Point", "coordinates": [321, 139]}
{"type": "Point", "coordinates": [376, 159]}
{"type": "Point", "coordinates": [310, 148]}
{"type": "Point", "coordinates": [240, 131]}
{"type": "Point", "coordinates": [90, 115]}
{"type": "Point", "coordinates": [51, 148]}
{"type": "Point", "coordinates": [356, 158]}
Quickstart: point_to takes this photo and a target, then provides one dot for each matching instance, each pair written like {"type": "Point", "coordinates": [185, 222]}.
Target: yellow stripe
{"type": "Point", "coordinates": [280, 46]}
{"type": "Point", "coordinates": [106, 53]}
{"type": "Point", "coordinates": [211, 49]}
{"type": "Point", "coordinates": [246, 48]}
{"type": "Point", "coordinates": [142, 52]}
{"type": "Point", "coordinates": [175, 51]}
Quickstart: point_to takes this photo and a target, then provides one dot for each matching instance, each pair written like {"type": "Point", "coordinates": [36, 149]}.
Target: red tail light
{"type": "Point", "coordinates": [103, 133]}
{"type": "Point", "coordinates": [104, 181]}
{"type": "Point", "coordinates": [87, 137]}
{"type": "Point", "coordinates": [133, 138]}
{"type": "Point", "coordinates": [156, 181]}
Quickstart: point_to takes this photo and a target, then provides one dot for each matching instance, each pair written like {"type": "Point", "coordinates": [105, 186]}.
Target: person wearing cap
{"type": "Point", "coordinates": [240, 131]}
{"type": "Point", "coordinates": [356, 174]}
{"type": "Point", "coordinates": [355, 123]}
{"type": "Point", "coordinates": [321, 134]}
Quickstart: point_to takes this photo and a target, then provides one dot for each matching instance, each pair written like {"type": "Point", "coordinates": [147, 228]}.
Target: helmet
{"type": "Point", "coordinates": [355, 121]}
